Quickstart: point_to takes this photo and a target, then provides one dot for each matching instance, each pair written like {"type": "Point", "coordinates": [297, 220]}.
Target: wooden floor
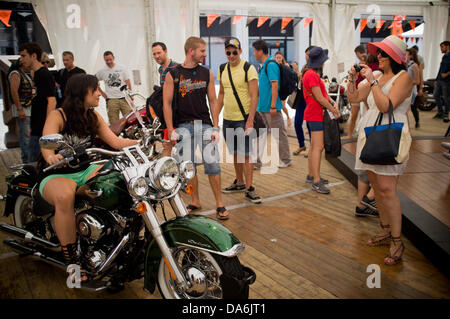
{"type": "Point", "coordinates": [300, 244]}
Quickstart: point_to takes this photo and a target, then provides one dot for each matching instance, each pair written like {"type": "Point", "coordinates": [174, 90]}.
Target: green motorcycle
{"type": "Point", "coordinates": [121, 238]}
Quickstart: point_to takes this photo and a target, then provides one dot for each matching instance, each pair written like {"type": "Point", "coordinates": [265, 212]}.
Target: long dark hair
{"type": "Point", "coordinates": [396, 67]}
{"type": "Point", "coordinates": [80, 122]}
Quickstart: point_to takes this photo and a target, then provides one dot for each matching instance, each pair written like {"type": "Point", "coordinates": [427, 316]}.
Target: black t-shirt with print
{"type": "Point", "coordinates": [45, 87]}
{"type": "Point", "coordinates": [63, 76]}
{"type": "Point", "coordinates": [192, 92]}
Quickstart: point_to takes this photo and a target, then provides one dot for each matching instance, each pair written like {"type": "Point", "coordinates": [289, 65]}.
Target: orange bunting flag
{"type": "Point", "coordinates": [261, 21]}
{"type": "Point", "coordinates": [5, 15]}
{"type": "Point", "coordinates": [285, 22]}
{"type": "Point", "coordinates": [413, 24]}
{"type": "Point", "coordinates": [363, 24]}
{"type": "Point", "coordinates": [307, 22]}
{"type": "Point", "coordinates": [236, 19]}
{"type": "Point", "coordinates": [210, 19]}
{"type": "Point", "coordinates": [397, 25]}
{"type": "Point", "coordinates": [380, 24]}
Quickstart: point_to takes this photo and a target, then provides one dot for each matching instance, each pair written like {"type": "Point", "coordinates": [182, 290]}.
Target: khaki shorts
{"type": "Point", "coordinates": [115, 107]}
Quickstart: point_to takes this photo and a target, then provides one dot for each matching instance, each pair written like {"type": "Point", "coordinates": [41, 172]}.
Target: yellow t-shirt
{"type": "Point", "coordinates": [231, 111]}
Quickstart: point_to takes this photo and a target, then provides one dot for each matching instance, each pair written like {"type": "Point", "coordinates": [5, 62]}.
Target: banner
{"type": "Point", "coordinates": [380, 24]}
{"type": "Point", "coordinates": [210, 19]}
{"type": "Point", "coordinates": [261, 21]}
{"type": "Point", "coordinates": [307, 22]}
{"type": "Point", "coordinates": [413, 24]}
{"type": "Point", "coordinates": [397, 25]}
{"type": "Point", "coordinates": [363, 24]}
{"type": "Point", "coordinates": [5, 15]}
{"type": "Point", "coordinates": [285, 22]}
{"type": "Point", "coordinates": [236, 19]}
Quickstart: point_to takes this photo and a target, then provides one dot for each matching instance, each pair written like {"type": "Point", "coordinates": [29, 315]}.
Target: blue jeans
{"type": "Point", "coordinates": [24, 138]}
{"type": "Point", "coordinates": [35, 148]}
{"type": "Point", "coordinates": [298, 123]}
{"type": "Point", "coordinates": [198, 135]}
{"type": "Point", "coordinates": [442, 89]}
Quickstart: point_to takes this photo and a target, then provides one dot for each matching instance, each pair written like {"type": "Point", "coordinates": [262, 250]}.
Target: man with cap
{"type": "Point", "coordinates": [269, 103]}
{"type": "Point", "coordinates": [316, 98]}
{"type": "Point", "coordinates": [238, 96]}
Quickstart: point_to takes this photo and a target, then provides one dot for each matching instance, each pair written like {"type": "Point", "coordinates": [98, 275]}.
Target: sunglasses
{"type": "Point", "coordinates": [382, 53]}
{"type": "Point", "coordinates": [234, 53]}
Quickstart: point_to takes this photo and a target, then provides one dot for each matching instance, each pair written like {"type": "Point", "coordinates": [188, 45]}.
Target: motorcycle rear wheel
{"type": "Point", "coordinates": [23, 211]}
{"type": "Point", "coordinates": [202, 265]}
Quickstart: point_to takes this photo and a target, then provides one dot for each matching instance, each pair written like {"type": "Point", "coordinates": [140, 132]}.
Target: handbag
{"type": "Point", "coordinates": [258, 122]}
{"type": "Point", "coordinates": [292, 99]}
{"type": "Point", "coordinates": [386, 144]}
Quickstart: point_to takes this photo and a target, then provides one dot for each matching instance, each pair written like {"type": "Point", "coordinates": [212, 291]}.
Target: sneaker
{"type": "Point", "coordinates": [365, 212]}
{"type": "Point", "coordinates": [251, 195]}
{"type": "Point", "coordinates": [371, 203]}
{"type": "Point", "coordinates": [320, 188]}
{"type": "Point", "coordinates": [310, 179]}
{"type": "Point", "coordinates": [234, 188]}
{"type": "Point", "coordinates": [284, 165]}
{"type": "Point", "coordinates": [439, 116]}
{"type": "Point", "coordinates": [446, 120]}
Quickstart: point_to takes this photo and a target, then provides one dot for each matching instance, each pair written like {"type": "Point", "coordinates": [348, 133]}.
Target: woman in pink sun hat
{"type": "Point", "coordinates": [395, 85]}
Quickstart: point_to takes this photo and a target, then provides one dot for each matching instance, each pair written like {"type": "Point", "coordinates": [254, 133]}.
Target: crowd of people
{"type": "Point", "coordinates": [63, 102]}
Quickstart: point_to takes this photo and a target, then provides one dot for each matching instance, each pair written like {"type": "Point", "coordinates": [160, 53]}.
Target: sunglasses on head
{"type": "Point", "coordinates": [382, 53]}
{"type": "Point", "coordinates": [234, 53]}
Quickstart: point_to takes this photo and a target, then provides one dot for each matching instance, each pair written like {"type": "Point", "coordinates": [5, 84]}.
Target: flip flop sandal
{"type": "Point", "coordinates": [192, 208]}
{"type": "Point", "coordinates": [221, 210]}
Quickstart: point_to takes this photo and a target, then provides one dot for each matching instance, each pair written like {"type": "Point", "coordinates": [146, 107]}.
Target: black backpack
{"type": "Point", "coordinates": [156, 100]}
{"type": "Point", "coordinates": [246, 67]}
{"type": "Point", "coordinates": [288, 80]}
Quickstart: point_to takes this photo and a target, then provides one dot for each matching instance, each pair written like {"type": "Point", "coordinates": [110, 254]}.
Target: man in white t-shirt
{"type": "Point", "coordinates": [114, 76]}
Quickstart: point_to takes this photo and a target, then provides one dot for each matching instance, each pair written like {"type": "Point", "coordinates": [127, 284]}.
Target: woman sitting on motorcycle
{"type": "Point", "coordinates": [77, 121]}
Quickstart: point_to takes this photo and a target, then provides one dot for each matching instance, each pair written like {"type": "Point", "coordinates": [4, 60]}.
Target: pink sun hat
{"type": "Point", "coordinates": [393, 46]}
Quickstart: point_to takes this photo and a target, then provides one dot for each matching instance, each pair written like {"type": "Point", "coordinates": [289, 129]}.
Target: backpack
{"type": "Point", "coordinates": [288, 80]}
{"type": "Point", "coordinates": [155, 101]}
{"type": "Point", "coordinates": [246, 67]}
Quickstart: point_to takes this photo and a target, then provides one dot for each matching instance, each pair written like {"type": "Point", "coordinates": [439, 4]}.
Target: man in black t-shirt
{"type": "Point", "coordinates": [195, 83]}
{"type": "Point", "coordinates": [63, 75]}
{"type": "Point", "coordinates": [44, 102]}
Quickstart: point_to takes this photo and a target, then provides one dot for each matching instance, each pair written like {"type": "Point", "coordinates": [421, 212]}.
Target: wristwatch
{"type": "Point", "coordinates": [375, 82]}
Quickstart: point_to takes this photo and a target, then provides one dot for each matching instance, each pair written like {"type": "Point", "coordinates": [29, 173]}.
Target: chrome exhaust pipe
{"type": "Point", "coordinates": [26, 235]}
{"type": "Point", "coordinates": [18, 247]}
{"type": "Point", "coordinates": [113, 254]}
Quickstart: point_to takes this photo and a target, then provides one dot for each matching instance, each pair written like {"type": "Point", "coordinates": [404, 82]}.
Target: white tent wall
{"type": "Point", "coordinates": [103, 25]}
{"type": "Point", "coordinates": [240, 31]}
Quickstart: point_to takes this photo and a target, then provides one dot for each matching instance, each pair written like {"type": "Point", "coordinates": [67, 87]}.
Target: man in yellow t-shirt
{"type": "Point", "coordinates": [239, 97]}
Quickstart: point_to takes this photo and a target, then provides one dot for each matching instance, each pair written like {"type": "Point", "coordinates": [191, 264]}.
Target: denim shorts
{"type": "Point", "coordinates": [315, 126]}
{"type": "Point", "coordinates": [237, 142]}
{"type": "Point", "coordinates": [198, 135]}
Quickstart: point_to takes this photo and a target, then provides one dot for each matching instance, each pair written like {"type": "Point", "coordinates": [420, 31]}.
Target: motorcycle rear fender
{"type": "Point", "coordinates": [199, 232]}
{"type": "Point", "coordinates": [17, 185]}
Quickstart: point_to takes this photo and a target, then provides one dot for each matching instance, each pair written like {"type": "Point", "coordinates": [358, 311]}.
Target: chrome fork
{"type": "Point", "coordinates": [152, 224]}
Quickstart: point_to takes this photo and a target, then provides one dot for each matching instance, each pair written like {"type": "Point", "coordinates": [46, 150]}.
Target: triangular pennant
{"type": "Point", "coordinates": [5, 15]}
{"type": "Point", "coordinates": [210, 19]}
{"type": "Point", "coordinates": [379, 25]}
{"type": "Point", "coordinates": [236, 19]}
{"type": "Point", "coordinates": [412, 40]}
{"type": "Point", "coordinates": [356, 23]}
{"type": "Point", "coordinates": [285, 22]}
{"type": "Point", "coordinates": [363, 24]}
{"type": "Point", "coordinates": [222, 19]}
{"type": "Point", "coordinates": [413, 24]}
{"type": "Point", "coordinates": [307, 22]}
{"type": "Point", "coordinates": [297, 21]}
{"type": "Point", "coordinates": [261, 21]}
{"type": "Point", "coordinates": [249, 20]}
{"type": "Point", "coordinates": [273, 21]}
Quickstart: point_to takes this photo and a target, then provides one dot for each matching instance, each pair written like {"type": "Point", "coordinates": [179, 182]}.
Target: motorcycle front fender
{"type": "Point", "coordinates": [197, 232]}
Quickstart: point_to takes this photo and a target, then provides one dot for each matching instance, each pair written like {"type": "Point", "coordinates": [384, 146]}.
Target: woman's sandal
{"type": "Point", "coordinates": [220, 211]}
{"type": "Point", "coordinates": [70, 254]}
{"type": "Point", "coordinates": [379, 240]}
{"type": "Point", "coordinates": [192, 208]}
{"type": "Point", "coordinates": [299, 150]}
{"type": "Point", "coordinates": [396, 257]}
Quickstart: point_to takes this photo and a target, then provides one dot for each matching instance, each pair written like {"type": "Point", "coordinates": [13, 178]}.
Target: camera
{"type": "Point", "coordinates": [358, 67]}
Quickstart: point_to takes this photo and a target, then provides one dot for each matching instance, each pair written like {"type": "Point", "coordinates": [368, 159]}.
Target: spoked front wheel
{"type": "Point", "coordinates": [203, 270]}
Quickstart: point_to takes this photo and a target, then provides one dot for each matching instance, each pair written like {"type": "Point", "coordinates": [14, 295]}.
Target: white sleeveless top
{"type": "Point", "coordinates": [369, 120]}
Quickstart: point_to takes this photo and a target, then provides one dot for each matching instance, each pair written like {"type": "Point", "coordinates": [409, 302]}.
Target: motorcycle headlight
{"type": "Point", "coordinates": [187, 170]}
{"type": "Point", "coordinates": [166, 174]}
{"type": "Point", "coordinates": [138, 186]}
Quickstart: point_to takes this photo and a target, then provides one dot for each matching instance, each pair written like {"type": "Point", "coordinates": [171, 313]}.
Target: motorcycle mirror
{"type": "Point", "coordinates": [52, 141]}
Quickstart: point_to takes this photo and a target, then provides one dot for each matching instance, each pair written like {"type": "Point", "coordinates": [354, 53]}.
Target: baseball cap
{"type": "Point", "coordinates": [234, 42]}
